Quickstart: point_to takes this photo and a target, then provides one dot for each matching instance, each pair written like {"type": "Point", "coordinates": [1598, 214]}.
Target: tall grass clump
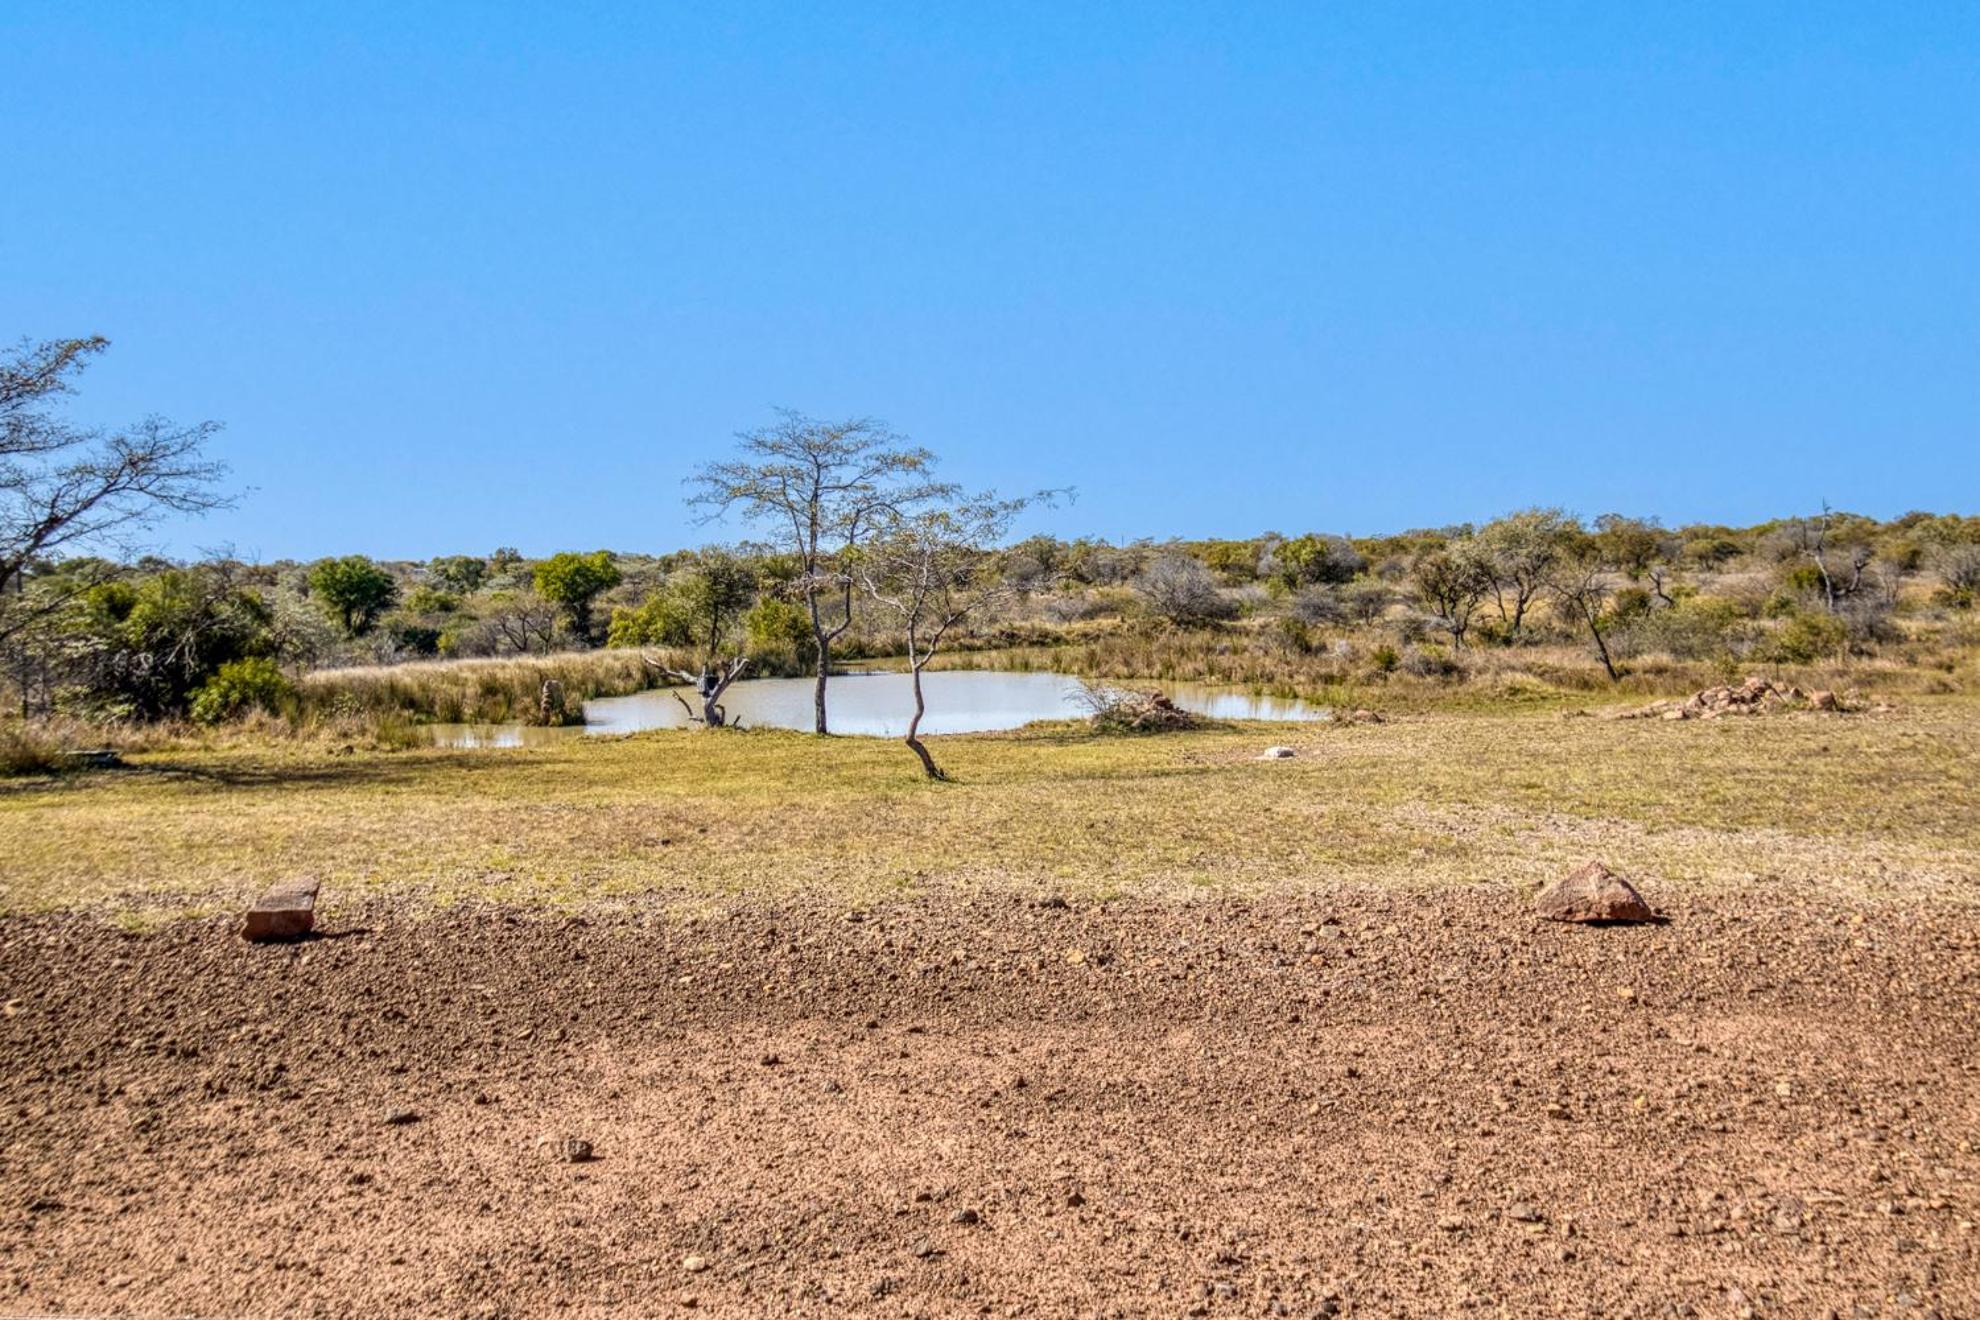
{"type": "Point", "coordinates": [495, 691]}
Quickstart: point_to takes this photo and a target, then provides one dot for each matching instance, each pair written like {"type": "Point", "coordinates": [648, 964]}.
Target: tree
{"type": "Point", "coordinates": [1838, 568]}
{"type": "Point", "coordinates": [462, 574]}
{"type": "Point", "coordinates": [63, 487]}
{"type": "Point", "coordinates": [933, 569]}
{"type": "Point", "coordinates": [819, 488]}
{"type": "Point", "coordinates": [1183, 591]}
{"type": "Point", "coordinates": [1579, 580]}
{"type": "Point", "coordinates": [1521, 549]}
{"type": "Point", "coordinates": [1452, 582]}
{"type": "Point", "coordinates": [575, 581]}
{"type": "Point", "coordinates": [354, 590]}
{"type": "Point", "coordinates": [1630, 544]}
{"type": "Point", "coordinates": [703, 608]}
{"type": "Point", "coordinates": [1308, 559]}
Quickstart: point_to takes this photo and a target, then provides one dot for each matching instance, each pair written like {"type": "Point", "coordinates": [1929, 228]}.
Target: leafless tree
{"type": "Point", "coordinates": [933, 568]}
{"type": "Point", "coordinates": [708, 685]}
{"type": "Point", "coordinates": [1840, 567]}
{"type": "Point", "coordinates": [63, 487]}
{"type": "Point", "coordinates": [1580, 582]}
{"type": "Point", "coordinates": [820, 488]}
{"type": "Point", "coordinates": [1181, 590]}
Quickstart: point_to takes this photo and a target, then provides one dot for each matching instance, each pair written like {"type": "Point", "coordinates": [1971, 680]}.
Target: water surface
{"type": "Point", "coordinates": [873, 705]}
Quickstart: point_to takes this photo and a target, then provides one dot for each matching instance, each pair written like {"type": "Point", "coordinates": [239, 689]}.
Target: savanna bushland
{"type": "Point", "coordinates": [759, 1021]}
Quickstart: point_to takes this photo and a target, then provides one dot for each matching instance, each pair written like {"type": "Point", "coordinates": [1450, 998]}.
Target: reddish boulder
{"type": "Point", "coordinates": [285, 912]}
{"type": "Point", "coordinates": [1594, 894]}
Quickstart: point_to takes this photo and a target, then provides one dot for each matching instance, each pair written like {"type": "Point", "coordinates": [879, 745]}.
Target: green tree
{"type": "Point", "coordinates": [354, 590]}
{"type": "Point", "coordinates": [575, 581]}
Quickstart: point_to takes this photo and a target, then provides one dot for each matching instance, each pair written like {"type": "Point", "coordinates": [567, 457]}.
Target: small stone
{"type": "Point", "coordinates": [400, 1117]}
{"type": "Point", "coordinates": [564, 1150]}
{"type": "Point", "coordinates": [1522, 1212]}
{"type": "Point", "coordinates": [1277, 754]}
{"type": "Point", "coordinates": [1075, 956]}
{"type": "Point", "coordinates": [694, 1264]}
{"type": "Point", "coordinates": [965, 1217]}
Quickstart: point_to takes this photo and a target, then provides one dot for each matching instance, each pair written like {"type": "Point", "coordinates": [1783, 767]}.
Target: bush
{"type": "Point", "coordinates": [1181, 590]}
{"type": "Point", "coordinates": [1806, 638]}
{"type": "Point", "coordinates": [241, 686]}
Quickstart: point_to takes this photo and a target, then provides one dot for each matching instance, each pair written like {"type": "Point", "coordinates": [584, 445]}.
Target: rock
{"type": "Point", "coordinates": [964, 1217]}
{"type": "Point", "coordinates": [1277, 754]}
{"type": "Point", "coordinates": [400, 1117]}
{"type": "Point", "coordinates": [1823, 699]}
{"type": "Point", "coordinates": [1594, 894]}
{"type": "Point", "coordinates": [694, 1264]}
{"type": "Point", "coordinates": [564, 1150]}
{"type": "Point", "coordinates": [1367, 717]}
{"type": "Point", "coordinates": [1522, 1212]}
{"type": "Point", "coordinates": [286, 912]}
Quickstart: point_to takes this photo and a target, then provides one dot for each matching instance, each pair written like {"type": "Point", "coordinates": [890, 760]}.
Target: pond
{"type": "Point", "coordinates": [873, 705]}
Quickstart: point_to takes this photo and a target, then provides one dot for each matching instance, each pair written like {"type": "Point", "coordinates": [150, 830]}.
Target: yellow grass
{"type": "Point", "coordinates": [1858, 805]}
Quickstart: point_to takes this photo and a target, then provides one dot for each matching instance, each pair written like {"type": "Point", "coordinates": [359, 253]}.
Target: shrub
{"type": "Point", "coordinates": [241, 686]}
{"type": "Point", "coordinates": [1181, 590]}
{"type": "Point", "coordinates": [1805, 638]}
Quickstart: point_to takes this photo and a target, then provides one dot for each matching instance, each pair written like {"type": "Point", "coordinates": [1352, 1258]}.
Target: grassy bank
{"type": "Point", "coordinates": [1367, 672]}
{"type": "Point", "coordinates": [1878, 804]}
{"type": "Point", "coordinates": [469, 691]}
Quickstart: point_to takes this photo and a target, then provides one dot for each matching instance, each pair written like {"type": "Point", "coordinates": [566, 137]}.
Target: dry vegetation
{"type": "Point", "coordinates": [1856, 803]}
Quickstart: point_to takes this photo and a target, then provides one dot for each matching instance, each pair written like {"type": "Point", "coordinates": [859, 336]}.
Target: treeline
{"type": "Point", "coordinates": [155, 640]}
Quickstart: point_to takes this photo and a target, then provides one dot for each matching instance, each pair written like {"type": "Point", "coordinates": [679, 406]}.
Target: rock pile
{"type": "Point", "coordinates": [1756, 696]}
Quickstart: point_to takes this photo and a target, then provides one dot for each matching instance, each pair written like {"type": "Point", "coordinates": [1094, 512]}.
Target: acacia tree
{"type": "Point", "coordinates": [1580, 582]}
{"type": "Point", "coordinates": [1452, 582]}
{"type": "Point", "coordinates": [933, 568]}
{"type": "Point", "coordinates": [63, 486]}
{"type": "Point", "coordinates": [1521, 550]}
{"type": "Point", "coordinates": [820, 489]}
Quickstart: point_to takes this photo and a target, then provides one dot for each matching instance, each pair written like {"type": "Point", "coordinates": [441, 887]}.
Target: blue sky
{"type": "Point", "coordinates": [464, 275]}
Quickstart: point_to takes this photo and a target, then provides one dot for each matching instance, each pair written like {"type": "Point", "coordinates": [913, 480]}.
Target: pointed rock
{"type": "Point", "coordinates": [1594, 894]}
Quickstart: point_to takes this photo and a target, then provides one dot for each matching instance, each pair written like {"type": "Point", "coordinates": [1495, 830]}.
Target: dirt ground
{"type": "Point", "coordinates": [1354, 1102]}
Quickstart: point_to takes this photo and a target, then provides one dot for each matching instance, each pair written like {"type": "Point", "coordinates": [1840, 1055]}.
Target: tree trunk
{"type": "Point", "coordinates": [914, 728]}
{"type": "Point", "coordinates": [1601, 647]}
{"type": "Point", "coordinates": [824, 671]}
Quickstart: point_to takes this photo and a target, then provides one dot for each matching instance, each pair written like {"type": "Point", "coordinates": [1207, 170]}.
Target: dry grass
{"type": "Point", "coordinates": [1860, 805]}
{"type": "Point", "coordinates": [469, 691]}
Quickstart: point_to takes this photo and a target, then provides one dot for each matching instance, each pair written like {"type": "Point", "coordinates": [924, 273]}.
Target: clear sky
{"type": "Point", "coordinates": [458, 275]}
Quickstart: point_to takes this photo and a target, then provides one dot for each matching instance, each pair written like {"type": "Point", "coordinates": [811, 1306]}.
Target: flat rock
{"type": "Point", "coordinates": [285, 912]}
{"type": "Point", "coordinates": [1594, 894]}
{"type": "Point", "coordinates": [1276, 754]}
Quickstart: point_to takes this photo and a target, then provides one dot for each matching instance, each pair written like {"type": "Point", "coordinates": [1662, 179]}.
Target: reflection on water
{"type": "Point", "coordinates": [873, 705]}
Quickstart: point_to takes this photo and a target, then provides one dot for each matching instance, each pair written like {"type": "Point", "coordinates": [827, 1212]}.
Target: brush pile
{"type": "Point", "coordinates": [1124, 710]}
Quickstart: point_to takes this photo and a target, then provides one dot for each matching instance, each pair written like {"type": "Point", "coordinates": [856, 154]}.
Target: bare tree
{"type": "Point", "coordinates": [1580, 582]}
{"type": "Point", "coordinates": [1452, 582]}
{"type": "Point", "coordinates": [933, 568]}
{"type": "Point", "coordinates": [708, 685]}
{"type": "Point", "coordinates": [820, 488]}
{"type": "Point", "coordinates": [1180, 589]}
{"type": "Point", "coordinates": [62, 487]}
{"type": "Point", "coordinates": [1840, 568]}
